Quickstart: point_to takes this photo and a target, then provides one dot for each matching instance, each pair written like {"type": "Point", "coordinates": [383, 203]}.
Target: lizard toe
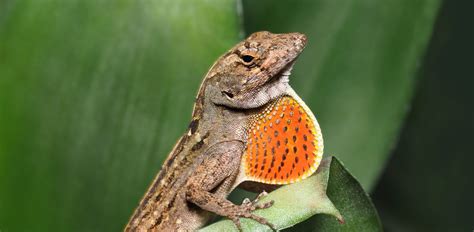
{"type": "Point", "coordinates": [236, 222]}
{"type": "Point", "coordinates": [265, 205]}
{"type": "Point", "coordinates": [246, 211]}
{"type": "Point", "coordinates": [262, 194]}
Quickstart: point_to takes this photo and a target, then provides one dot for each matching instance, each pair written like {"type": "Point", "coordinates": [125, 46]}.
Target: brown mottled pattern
{"type": "Point", "coordinates": [203, 167]}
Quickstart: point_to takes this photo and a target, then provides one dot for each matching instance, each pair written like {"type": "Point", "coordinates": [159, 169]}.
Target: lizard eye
{"type": "Point", "coordinates": [247, 58]}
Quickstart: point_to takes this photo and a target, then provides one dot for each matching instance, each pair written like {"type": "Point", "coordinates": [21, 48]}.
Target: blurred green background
{"type": "Point", "coordinates": [93, 94]}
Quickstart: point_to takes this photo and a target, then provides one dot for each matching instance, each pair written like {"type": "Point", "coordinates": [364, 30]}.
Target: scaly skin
{"type": "Point", "coordinates": [203, 167]}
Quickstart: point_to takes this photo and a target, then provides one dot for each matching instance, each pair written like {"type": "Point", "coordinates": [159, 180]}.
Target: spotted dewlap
{"type": "Point", "coordinates": [285, 143]}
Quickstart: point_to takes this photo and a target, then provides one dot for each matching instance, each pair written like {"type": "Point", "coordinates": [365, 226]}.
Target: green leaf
{"type": "Point", "coordinates": [93, 95]}
{"type": "Point", "coordinates": [428, 184]}
{"type": "Point", "coordinates": [350, 199]}
{"type": "Point", "coordinates": [357, 71]}
{"type": "Point", "coordinates": [297, 202]}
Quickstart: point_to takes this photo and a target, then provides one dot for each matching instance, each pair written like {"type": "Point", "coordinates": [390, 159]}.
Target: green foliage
{"type": "Point", "coordinates": [297, 202]}
{"type": "Point", "coordinates": [350, 199]}
{"type": "Point", "coordinates": [93, 94]}
{"type": "Point", "coordinates": [428, 183]}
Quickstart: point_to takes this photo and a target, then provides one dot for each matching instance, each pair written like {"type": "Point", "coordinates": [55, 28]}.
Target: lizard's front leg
{"type": "Point", "coordinates": [213, 181]}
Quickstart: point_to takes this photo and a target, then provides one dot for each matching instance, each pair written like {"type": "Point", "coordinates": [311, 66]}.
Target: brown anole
{"type": "Point", "coordinates": [248, 125]}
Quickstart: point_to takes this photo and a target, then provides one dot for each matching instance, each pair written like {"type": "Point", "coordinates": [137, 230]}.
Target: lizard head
{"type": "Point", "coordinates": [255, 71]}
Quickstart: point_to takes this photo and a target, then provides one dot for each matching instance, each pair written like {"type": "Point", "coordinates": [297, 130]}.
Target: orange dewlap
{"type": "Point", "coordinates": [284, 144]}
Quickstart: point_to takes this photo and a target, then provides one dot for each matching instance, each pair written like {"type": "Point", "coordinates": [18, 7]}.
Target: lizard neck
{"type": "Point", "coordinates": [219, 122]}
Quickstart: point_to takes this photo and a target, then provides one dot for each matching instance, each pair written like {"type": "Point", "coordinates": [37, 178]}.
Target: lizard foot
{"type": "Point", "coordinates": [245, 210]}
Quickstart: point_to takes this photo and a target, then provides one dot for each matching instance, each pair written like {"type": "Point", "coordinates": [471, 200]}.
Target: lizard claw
{"type": "Point", "coordinates": [246, 211]}
{"type": "Point", "coordinates": [262, 194]}
{"type": "Point", "coordinates": [246, 201]}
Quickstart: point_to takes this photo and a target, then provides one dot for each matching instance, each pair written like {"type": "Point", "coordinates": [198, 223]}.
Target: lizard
{"type": "Point", "coordinates": [248, 126]}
